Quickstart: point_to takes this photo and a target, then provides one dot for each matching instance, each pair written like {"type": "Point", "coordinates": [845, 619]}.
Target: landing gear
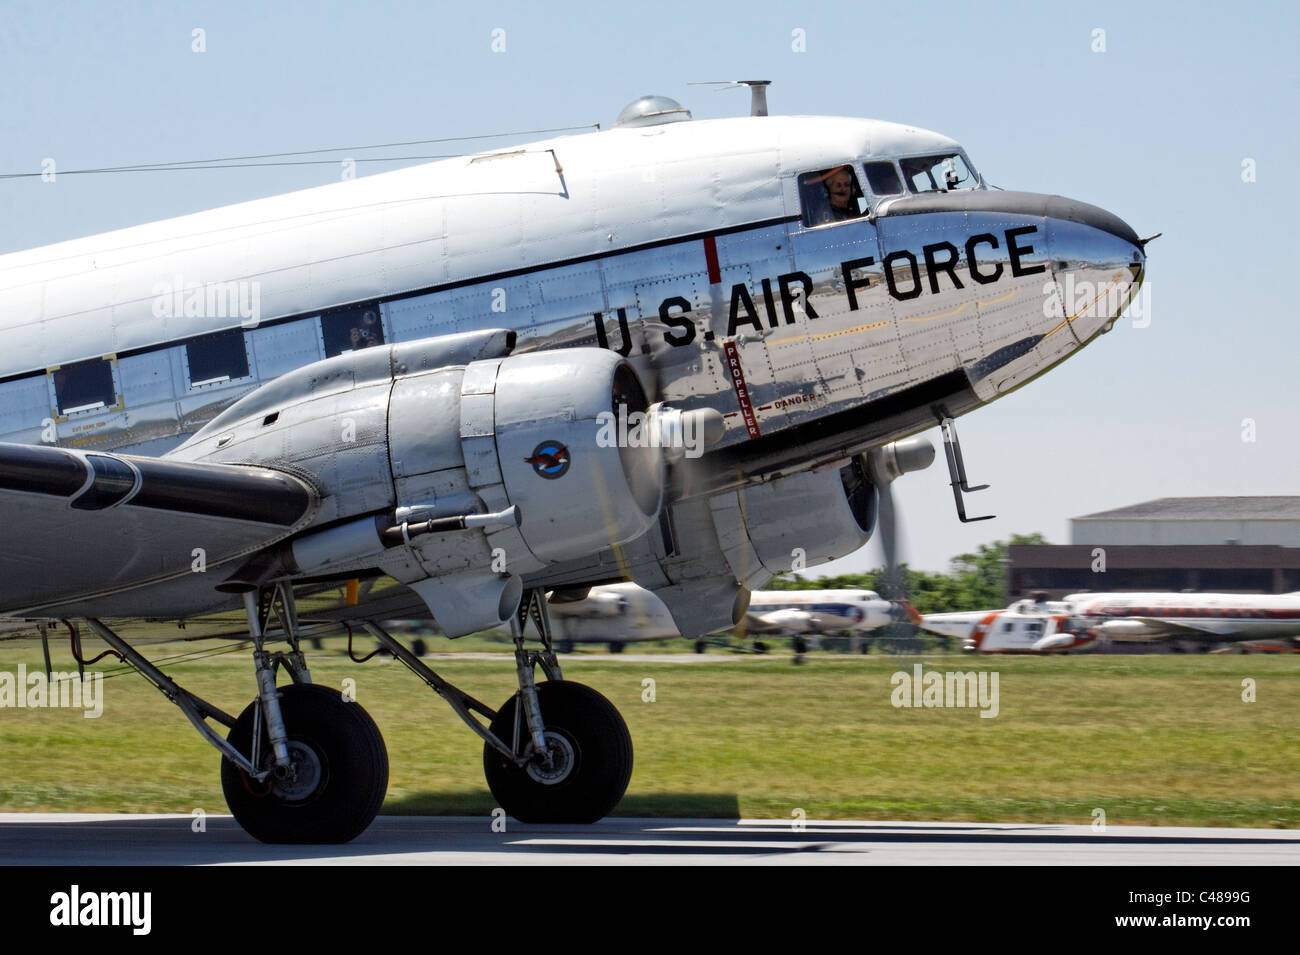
{"type": "Point", "coordinates": [314, 767]}
{"type": "Point", "coordinates": [302, 763]}
{"type": "Point", "coordinates": [335, 780]}
{"type": "Point", "coordinates": [586, 765]}
{"type": "Point", "coordinates": [557, 751]}
{"type": "Point", "coordinates": [616, 647]}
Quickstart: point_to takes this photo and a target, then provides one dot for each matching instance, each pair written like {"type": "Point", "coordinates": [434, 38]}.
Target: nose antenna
{"type": "Point", "coordinates": [1150, 238]}
{"type": "Point", "coordinates": [757, 92]}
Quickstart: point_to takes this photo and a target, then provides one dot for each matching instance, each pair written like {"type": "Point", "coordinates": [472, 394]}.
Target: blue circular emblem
{"type": "Point", "coordinates": [550, 459]}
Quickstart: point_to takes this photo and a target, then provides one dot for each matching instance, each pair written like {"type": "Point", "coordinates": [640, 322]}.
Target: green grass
{"type": "Point", "coordinates": [1152, 739]}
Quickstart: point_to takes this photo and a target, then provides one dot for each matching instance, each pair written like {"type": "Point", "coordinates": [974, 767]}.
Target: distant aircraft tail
{"type": "Point", "coordinates": [904, 610]}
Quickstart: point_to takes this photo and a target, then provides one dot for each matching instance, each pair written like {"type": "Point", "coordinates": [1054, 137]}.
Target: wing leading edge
{"type": "Point", "coordinates": [79, 525]}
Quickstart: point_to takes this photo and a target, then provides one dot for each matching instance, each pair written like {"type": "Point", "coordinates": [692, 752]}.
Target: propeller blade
{"type": "Point", "coordinates": [887, 525]}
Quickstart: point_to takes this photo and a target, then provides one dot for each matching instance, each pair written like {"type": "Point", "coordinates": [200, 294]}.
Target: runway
{"type": "Point", "coordinates": [113, 839]}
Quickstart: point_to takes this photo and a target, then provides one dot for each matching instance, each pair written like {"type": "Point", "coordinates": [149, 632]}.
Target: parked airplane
{"type": "Point", "coordinates": [1081, 620]}
{"type": "Point", "coordinates": [673, 351]}
{"type": "Point", "coordinates": [624, 613]}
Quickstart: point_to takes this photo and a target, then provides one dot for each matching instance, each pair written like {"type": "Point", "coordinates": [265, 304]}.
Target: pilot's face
{"type": "Point", "coordinates": [840, 188]}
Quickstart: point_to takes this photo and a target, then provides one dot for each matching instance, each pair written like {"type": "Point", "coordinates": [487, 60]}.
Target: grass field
{"type": "Point", "coordinates": [1148, 739]}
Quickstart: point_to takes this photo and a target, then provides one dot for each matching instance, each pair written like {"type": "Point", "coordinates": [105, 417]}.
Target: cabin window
{"type": "Point", "coordinates": [883, 179]}
{"type": "Point", "coordinates": [831, 195]}
{"type": "Point", "coordinates": [938, 173]}
{"type": "Point", "coordinates": [351, 329]}
{"type": "Point", "coordinates": [212, 359]}
{"type": "Point", "coordinates": [84, 386]}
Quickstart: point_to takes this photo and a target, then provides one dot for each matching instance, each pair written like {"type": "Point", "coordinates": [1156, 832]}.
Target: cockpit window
{"type": "Point", "coordinates": [831, 195]}
{"type": "Point", "coordinates": [938, 173]}
{"type": "Point", "coordinates": [883, 179]}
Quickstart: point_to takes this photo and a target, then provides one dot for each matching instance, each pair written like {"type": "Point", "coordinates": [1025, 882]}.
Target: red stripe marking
{"type": "Point", "coordinates": [711, 258]}
{"type": "Point", "coordinates": [982, 630]}
{"type": "Point", "coordinates": [742, 392]}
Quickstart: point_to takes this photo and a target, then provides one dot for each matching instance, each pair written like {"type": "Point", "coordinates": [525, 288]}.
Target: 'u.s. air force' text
{"type": "Point", "coordinates": [902, 275]}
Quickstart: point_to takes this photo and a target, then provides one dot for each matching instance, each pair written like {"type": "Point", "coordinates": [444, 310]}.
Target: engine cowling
{"type": "Point", "coordinates": [413, 434]}
{"type": "Point", "coordinates": [526, 431]}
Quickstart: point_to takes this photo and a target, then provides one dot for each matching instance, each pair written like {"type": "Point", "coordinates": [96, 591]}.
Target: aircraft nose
{"type": "Point", "coordinates": [1083, 213]}
{"type": "Point", "coordinates": [1098, 261]}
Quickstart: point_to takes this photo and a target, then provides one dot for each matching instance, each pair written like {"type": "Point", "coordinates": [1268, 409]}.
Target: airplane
{"type": "Point", "coordinates": [1084, 620]}
{"type": "Point", "coordinates": [618, 614]}
{"type": "Point", "coordinates": [661, 352]}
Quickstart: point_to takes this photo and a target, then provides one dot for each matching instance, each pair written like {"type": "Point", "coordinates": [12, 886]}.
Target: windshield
{"type": "Point", "coordinates": [938, 173]}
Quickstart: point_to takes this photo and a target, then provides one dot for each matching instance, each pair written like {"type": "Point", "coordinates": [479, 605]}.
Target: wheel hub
{"type": "Point", "coordinates": [563, 759]}
{"type": "Point", "coordinates": [303, 775]}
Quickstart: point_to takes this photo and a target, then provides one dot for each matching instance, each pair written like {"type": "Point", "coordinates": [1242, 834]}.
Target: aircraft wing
{"type": "Point", "coordinates": [78, 525]}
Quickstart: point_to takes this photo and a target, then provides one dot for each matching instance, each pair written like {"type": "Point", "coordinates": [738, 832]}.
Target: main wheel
{"type": "Point", "coordinates": [591, 758]}
{"type": "Point", "coordinates": [340, 768]}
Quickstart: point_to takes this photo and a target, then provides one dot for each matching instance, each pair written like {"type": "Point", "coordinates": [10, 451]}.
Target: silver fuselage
{"type": "Point", "coordinates": [680, 246]}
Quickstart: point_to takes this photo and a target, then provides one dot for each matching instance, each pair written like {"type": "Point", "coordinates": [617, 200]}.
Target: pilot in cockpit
{"type": "Point", "coordinates": [831, 196]}
{"type": "Point", "coordinates": [839, 191]}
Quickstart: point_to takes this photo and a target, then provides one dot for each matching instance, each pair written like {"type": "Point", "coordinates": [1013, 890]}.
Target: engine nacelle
{"type": "Point", "coordinates": [797, 521]}
{"type": "Point", "coordinates": [805, 519]}
{"type": "Point", "coordinates": [453, 472]}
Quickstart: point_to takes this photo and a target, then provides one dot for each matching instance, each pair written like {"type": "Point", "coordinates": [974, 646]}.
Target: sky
{"type": "Point", "coordinates": [1178, 117]}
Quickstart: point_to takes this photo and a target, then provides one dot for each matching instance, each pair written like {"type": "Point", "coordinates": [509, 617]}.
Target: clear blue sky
{"type": "Point", "coordinates": [1155, 129]}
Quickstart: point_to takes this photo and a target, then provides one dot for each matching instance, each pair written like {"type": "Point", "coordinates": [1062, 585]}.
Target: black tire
{"type": "Point", "coordinates": [601, 766]}
{"type": "Point", "coordinates": [760, 646]}
{"type": "Point", "coordinates": [350, 770]}
{"type": "Point", "coordinates": [419, 647]}
{"type": "Point", "coordinates": [564, 646]}
{"type": "Point", "coordinates": [615, 647]}
{"type": "Point", "coordinates": [701, 646]}
{"type": "Point", "coordinates": [800, 645]}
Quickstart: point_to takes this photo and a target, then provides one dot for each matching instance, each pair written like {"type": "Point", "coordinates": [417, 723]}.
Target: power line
{"type": "Point", "coordinates": [237, 162]}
